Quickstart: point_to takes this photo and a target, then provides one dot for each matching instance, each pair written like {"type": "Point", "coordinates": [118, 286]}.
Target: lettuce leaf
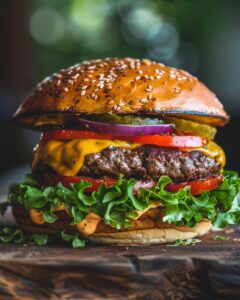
{"type": "Point", "coordinates": [117, 203]}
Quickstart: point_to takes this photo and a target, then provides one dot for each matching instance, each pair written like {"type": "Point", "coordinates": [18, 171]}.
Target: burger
{"type": "Point", "coordinates": [126, 155]}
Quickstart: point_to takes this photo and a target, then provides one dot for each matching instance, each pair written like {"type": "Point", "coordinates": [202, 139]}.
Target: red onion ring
{"type": "Point", "coordinates": [126, 130]}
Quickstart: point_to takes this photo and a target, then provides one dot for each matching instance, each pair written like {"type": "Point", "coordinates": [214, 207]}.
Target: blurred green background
{"type": "Point", "coordinates": [38, 37]}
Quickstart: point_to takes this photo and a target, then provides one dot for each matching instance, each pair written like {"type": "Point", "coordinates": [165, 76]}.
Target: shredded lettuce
{"type": "Point", "coordinates": [117, 204]}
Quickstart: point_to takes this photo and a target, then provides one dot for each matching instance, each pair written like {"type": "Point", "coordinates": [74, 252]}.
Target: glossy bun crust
{"type": "Point", "coordinates": [119, 86]}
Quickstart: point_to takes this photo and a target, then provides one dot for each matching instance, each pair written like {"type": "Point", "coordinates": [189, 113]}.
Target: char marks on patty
{"type": "Point", "coordinates": [150, 162]}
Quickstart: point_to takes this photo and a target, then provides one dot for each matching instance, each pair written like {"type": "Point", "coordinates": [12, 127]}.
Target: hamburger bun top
{"type": "Point", "coordinates": [119, 86]}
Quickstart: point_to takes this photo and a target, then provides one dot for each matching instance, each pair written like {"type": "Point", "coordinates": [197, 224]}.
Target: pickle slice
{"type": "Point", "coordinates": [127, 119]}
{"type": "Point", "coordinates": [187, 126]}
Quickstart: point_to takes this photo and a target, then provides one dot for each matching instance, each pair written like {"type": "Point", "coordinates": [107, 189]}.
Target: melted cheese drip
{"type": "Point", "coordinates": [67, 158]}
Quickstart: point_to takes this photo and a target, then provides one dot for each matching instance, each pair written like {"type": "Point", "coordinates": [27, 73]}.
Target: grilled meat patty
{"type": "Point", "coordinates": [150, 162]}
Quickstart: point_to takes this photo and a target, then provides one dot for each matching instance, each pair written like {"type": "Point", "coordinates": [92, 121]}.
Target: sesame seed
{"type": "Point", "coordinates": [140, 72]}
{"type": "Point", "coordinates": [58, 82]}
{"type": "Point", "coordinates": [149, 88]}
{"type": "Point", "coordinates": [151, 78]}
{"type": "Point", "coordinates": [84, 87]}
{"type": "Point", "coordinates": [146, 61]}
{"type": "Point", "coordinates": [138, 77]}
{"type": "Point", "coordinates": [176, 90]}
{"type": "Point", "coordinates": [143, 100]}
{"type": "Point", "coordinates": [149, 97]}
{"type": "Point", "coordinates": [121, 104]}
{"type": "Point", "coordinates": [146, 76]}
{"type": "Point", "coordinates": [92, 67]}
{"type": "Point", "coordinates": [85, 79]}
{"type": "Point", "coordinates": [158, 77]}
{"type": "Point", "coordinates": [83, 93]}
{"type": "Point", "coordinates": [75, 76]}
{"type": "Point", "coordinates": [66, 89]}
{"type": "Point", "coordinates": [111, 102]}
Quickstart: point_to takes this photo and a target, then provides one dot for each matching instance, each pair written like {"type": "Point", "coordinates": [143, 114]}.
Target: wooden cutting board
{"type": "Point", "coordinates": [207, 270]}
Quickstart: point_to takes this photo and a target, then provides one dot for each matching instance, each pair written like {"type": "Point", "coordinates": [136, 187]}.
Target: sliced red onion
{"type": "Point", "coordinates": [126, 130]}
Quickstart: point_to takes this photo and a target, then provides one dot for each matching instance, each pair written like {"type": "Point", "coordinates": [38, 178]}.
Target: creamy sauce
{"type": "Point", "coordinates": [89, 225]}
{"type": "Point", "coordinates": [36, 216]}
{"type": "Point", "coordinates": [154, 204]}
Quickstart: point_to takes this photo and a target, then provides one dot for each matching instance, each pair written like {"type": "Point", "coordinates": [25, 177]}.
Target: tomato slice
{"type": "Point", "coordinates": [197, 186]}
{"type": "Point", "coordinates": [59, 134]}
{"type": "Point", "coordinates": [158, 140]}
{"type": "Point", "coordinates": [170, 141]}
{"type": "Point", "coordinates": [54, 179]}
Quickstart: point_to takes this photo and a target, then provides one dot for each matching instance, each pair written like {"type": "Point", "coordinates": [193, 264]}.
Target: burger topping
{"type": "Point", "coordinates": [126, 130]}
{"type": "Point", "coordinates": [158, 140]}
{"type": "Point", "coordinates": [191, 127]}
{"type": "Point", "coordinates": [118, 206]}
{"type": "Point", "coordinates": [196, 186]}
{"type": "Point", "coordinates": [97, 158]}
{"type": "Point", "coordinates": [149, 162]}
{"type": "Point", "coordinates": [67, 158]}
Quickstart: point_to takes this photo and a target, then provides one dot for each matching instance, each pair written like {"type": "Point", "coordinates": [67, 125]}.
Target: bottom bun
{"type": "Point", "coordinates": [151, 236]}
{"type": "Point", "coordinates": [157, 235]}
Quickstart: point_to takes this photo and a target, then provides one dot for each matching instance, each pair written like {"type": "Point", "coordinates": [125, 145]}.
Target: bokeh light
{"type": "Point", "coordinates": [46, 26]}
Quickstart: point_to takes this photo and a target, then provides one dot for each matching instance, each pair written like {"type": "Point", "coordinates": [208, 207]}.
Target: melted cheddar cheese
{"type": "Point", "coordinates": [67, 158]}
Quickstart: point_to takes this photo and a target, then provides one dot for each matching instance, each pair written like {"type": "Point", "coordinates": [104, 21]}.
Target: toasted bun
{"type": "Point", "coordinates": [152, 236]}
{"type": "Point", "coordinates": [157, 235]}
{"type": "Point", "coordinates": [119, 86]}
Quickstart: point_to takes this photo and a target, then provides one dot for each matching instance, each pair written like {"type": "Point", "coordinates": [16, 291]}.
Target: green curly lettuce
{"type": "Point", "coordinates": [117, 204]}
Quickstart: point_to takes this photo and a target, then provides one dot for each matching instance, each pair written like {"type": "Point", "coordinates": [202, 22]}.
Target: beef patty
{"type": "Point", "coordinates": [150, 162]}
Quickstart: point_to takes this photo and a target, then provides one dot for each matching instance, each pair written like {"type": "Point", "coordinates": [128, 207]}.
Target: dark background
{"type": "Point", "coordinates": [38, 37]}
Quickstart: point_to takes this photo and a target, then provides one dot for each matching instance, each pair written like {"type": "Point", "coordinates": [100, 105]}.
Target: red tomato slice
{"type": "Point", "coordinates": [158, 140]}
{"type": "Point", "coordinates": [54, 179]}
{"type": "Point", "coordinates": [58, 134]}
{"type": "Point", "coordinates": [197, 186]}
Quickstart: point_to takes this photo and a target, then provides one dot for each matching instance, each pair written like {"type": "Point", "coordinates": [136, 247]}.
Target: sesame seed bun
{"type": "Point", "coordinates": [119, 86]}
{"type": "Point", "coordinates": [142, 233]}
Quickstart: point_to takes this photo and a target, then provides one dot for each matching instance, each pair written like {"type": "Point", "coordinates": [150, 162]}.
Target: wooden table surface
{"type": "Point", "coordinates": [207, 270]}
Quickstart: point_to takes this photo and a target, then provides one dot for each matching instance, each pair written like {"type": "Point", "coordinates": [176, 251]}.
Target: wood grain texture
{"type": "Point", "coordinates": [208, 270]}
